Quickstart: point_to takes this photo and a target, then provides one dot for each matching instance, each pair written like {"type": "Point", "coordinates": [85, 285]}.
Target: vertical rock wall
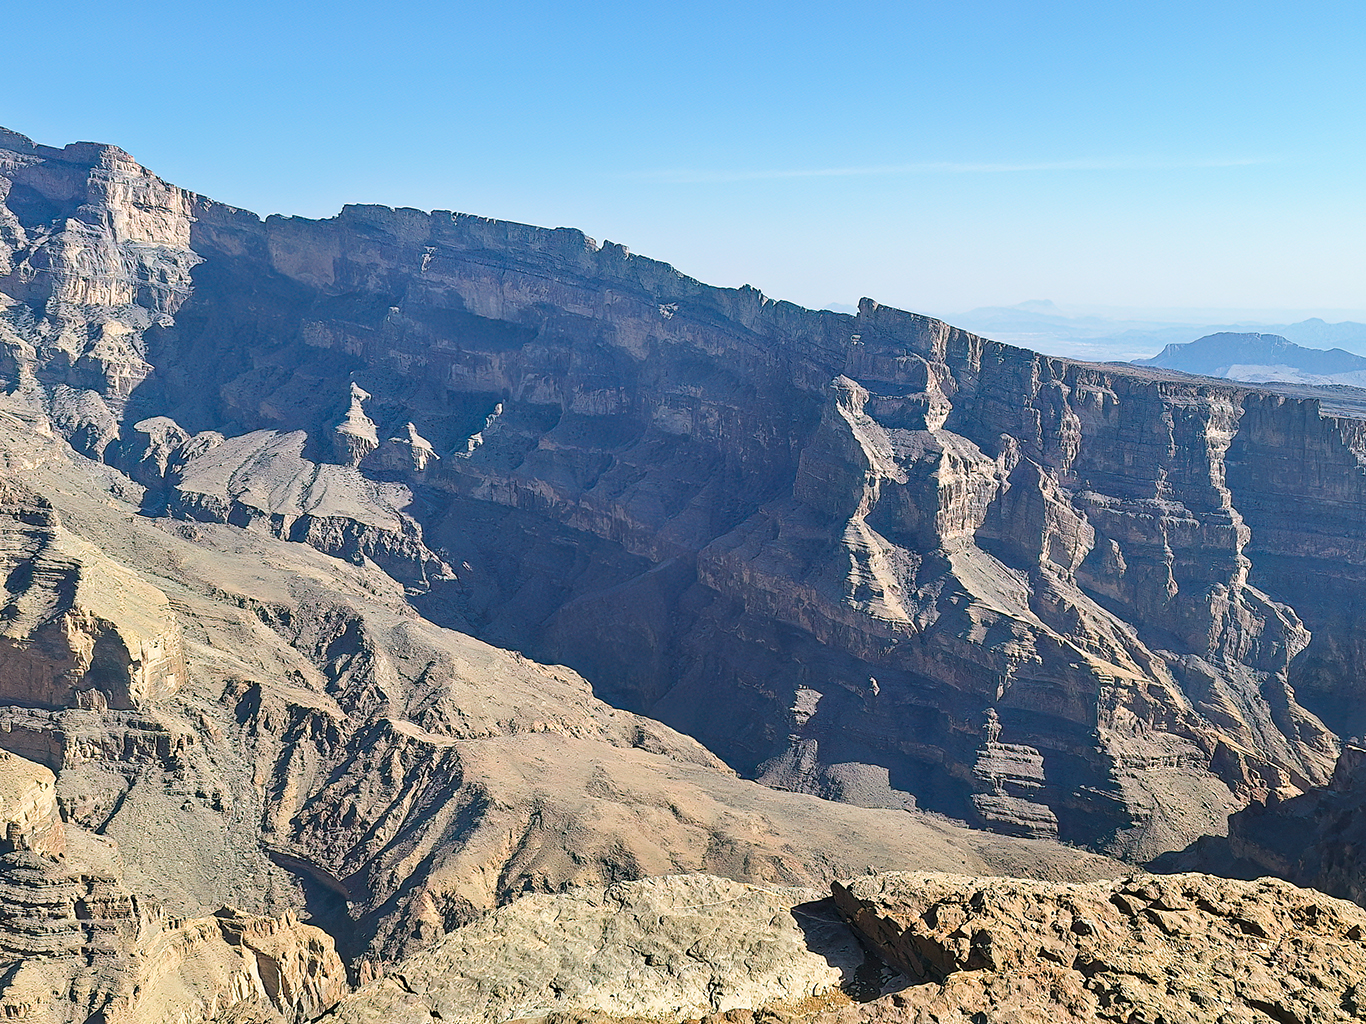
{"type": "Point", "coordinates": [711, 502]}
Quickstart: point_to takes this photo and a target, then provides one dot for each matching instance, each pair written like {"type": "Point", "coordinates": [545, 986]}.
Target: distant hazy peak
{"type": "Point", "coordinates": [1233, 354]}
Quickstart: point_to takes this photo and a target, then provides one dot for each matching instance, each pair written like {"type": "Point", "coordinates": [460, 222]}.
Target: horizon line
{"type": "Point", "coordinates": [689, 176]}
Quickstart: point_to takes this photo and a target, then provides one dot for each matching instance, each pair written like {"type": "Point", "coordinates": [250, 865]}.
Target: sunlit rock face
{"type": "Point", "coordinates": [892, 948]}
{"type": "Point", "coordinates": [76, 628]}
{"type": "Point", "coordinates": [1050, 597]}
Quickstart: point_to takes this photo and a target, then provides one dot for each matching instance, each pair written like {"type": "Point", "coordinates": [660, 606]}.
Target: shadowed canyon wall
{"type": "Point", "coordinates": [872, 557]}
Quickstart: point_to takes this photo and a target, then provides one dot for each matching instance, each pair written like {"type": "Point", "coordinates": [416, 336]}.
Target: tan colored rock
{"type": "Point", "coordinates": [328, 737]}
{"type": "Point", "coordinates": [233, 966]}
{"type": "Point", "coordinates": [78, 628]}
{"type": "Point", "coordinates": [672, 948]}
{"type": "Point", "coordinates": [262, 480]}
{"type": "Point", "coordinates": [229, 967]}
{"type": "Point", "coordinates": [29, 819]}
{"type": "Point", "coordinates": [1188, 948]}
{"type": "Point", "coordinates": [1182, 948]}
{"type": "Point", "coordinates": [356, 436]}
{"type": "Point", "coordinates": [879, 496]}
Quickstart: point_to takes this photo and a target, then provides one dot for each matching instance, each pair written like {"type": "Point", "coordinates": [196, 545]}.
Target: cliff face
{"type": "Point", "coordinates": [77, 945]}
{"type": "Point", "coordinates": [235, 717]}
{"type": "Point", "coordinates": [870, 557]}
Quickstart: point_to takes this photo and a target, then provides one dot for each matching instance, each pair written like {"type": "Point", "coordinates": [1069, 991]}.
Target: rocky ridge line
{"type": "Point", "coordinates": [1180, 948]}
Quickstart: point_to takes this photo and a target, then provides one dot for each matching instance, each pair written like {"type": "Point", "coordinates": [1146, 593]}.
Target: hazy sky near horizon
{"type": "Point", "coordinates": [934, 156]}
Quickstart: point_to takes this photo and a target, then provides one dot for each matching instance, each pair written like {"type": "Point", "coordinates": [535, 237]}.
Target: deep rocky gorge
{"type": "Point", "coordinates": [386, 568]}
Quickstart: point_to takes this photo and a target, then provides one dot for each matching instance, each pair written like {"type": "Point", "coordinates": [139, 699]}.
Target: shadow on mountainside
{"type": "Point", "coordinates": [863, 975]}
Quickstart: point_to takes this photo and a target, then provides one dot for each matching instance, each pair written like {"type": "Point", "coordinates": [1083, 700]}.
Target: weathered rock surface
{"type": "Point", "coordinates": [1174, 948]}
{"type": "Point", "coordinates": [869, 558]}
{"type": "Point", "coordinates": [76, 629]}
{"type": "Point", "coordinates": [76, 944]}
{"type": "Point", "coordinates": [261, 480]}
{"type": "Point", "coordinates": [29, 819]}
{"type": "Point", "coordinates": [226, 967]}
{"type": "Point", "coordinates": [1179, 948]}
{"type": "Point", "coordinates": [331, 750]}
{"type": "Point", "coordinates": [97, 250]}
{"type": "Point", "coordinates": [710, 503]}
{"type": "Point", "coordinates": [355, 436]}
{"type": "Point", "coordinates": [1318, 839]}
{"type": "Point", "coordinates": [675, 948]}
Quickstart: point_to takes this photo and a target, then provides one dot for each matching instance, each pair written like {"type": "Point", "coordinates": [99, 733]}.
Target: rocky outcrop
{"type": "Point", "coordinates": [407, 454]}
{"type": "Point", "coordinates": [1316, 839]}
{"type": "Point", "coordinates": [1179, 947]}
{"type": "Point", "coordinates": [97, 252]}
{"type": "Point", "coordinates": [75, 943]}
{"type": "Point", "coordinates": [67, 905]}
{"type": "Point", "coordinates": [958, 949]}
{"type": "Point", "coordinates": [226, 967]}
{"type": "Point", "coordinates": [672, 948]}
{"type": "Point", "coordinates": [262, 480]}
{"type": "Point", "coordinates": [76, 628]}
{"type": "Point", "coordinates": [29, 819]}
{"type": "Point", "coordinates": [868, 558]}
{"type": "Point", "coordinates": [298, 967]}
{"type": "Point", "coordinates": [332, 751]}
{"type": "Point", "coordinates": [355, 436]}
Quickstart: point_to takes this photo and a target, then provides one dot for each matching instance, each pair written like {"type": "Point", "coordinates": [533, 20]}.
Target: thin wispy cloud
{"type": "Point", "coordinates": [695, 177]}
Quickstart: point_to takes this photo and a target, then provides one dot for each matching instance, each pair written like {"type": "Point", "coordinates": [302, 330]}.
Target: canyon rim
{"type": "Point", "coordinates": [381, 588]}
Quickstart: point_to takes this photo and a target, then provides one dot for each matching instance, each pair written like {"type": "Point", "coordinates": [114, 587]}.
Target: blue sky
{"type": "Point", "coordinates": [936, 156]}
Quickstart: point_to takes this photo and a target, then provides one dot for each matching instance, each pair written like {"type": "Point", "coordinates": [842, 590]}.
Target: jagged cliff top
{"type": "Point", "coordinates": [571, 250]}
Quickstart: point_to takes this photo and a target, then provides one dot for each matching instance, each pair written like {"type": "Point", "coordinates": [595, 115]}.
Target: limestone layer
{"type": "Point", "coordinates": [710, 503]}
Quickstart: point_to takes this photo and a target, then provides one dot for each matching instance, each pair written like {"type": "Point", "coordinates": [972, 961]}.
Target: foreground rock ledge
{"type": "Point", "coordinates": [1139, 950]}
{"type": "Point", "coordinates": [1171, 948]}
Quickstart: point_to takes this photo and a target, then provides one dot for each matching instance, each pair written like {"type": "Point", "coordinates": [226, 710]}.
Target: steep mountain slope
{"type": "Point", "coordinates": [869, 557]}
{"type": "Point", "coordinates": [324, 748]}
{"type": "Point", "coordinates": [1316, 839]}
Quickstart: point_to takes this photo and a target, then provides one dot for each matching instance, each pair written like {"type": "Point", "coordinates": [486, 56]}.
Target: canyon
{"type": "Point", "coordinates": [368, 578]}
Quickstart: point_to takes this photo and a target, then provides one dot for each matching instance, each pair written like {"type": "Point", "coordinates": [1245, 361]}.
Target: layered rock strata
{"type": "Point", "coordinates": [227, 967]}
{"type": "Point", "coordinates": [711, 503]}
{"type": "Point", "coordinates": [867, 558]}
{"type": "Point", "coordinates": [29, 819]}
{"type": "Point", "coordinates": [331, 751]}
{"type": "Point", "coordinates": [76, 944]}
{"type": "Point", "coordinates": [76, 629]}
{"type": "Point", "coordinates": [971, 526]}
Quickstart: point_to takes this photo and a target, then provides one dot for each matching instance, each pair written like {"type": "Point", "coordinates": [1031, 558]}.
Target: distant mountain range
{"type": "Point", "coordinates": [1041, 325]}
{"type": "Point", "coordinates": [1262, 357]}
